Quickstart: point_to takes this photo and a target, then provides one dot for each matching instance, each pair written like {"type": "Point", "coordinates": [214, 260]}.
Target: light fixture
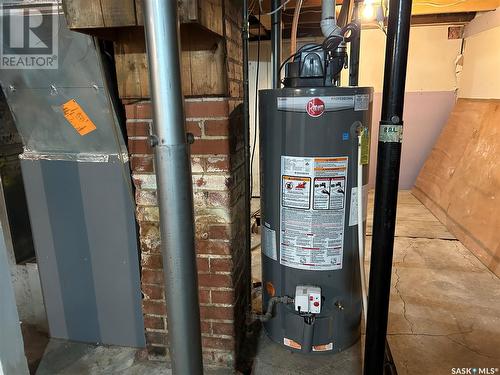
{"type": "Point", "coordinates": [368, 10]}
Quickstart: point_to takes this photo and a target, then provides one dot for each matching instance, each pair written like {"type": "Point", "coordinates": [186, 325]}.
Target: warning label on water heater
{"type": "Point", "coordinates": [313, 200]}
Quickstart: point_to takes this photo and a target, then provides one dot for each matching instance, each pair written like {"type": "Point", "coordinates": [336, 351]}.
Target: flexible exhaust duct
{"type": "Point", "coordinates": [328, 18]}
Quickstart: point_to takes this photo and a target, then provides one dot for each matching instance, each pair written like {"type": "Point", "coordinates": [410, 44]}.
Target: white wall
{"type": "Point", "coordinates": [12, 358]}
{"type": "Point", "coordinates": [431, 81]}
{"type": "Point", "coordinates": [480, 77]}
{"type": "Point", "coordinates": [25, 280]}
{"type": "Point", "coordinates": [431, 59]}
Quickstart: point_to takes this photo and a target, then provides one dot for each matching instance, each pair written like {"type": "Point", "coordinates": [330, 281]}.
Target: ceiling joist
{"type": "Point", "coordinates": [311, 9]}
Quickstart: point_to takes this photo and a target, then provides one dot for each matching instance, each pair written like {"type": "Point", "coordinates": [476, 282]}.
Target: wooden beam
{"type": "Point", "coordinates": [419, 6]}
{"type": "Point", "coordinates": [311, 28]}
{"type": "Point", "coordinates": [453, 6]}
{"type": "Point", "coordinates": [202, 63]}
{"type": "Point", "coordinates": [443, 19]}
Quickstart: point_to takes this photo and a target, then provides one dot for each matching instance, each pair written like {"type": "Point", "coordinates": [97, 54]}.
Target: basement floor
{"type": "Point", "coordinates": [444, 310]}
{"type": "Point", "coordinates": [444, 314]}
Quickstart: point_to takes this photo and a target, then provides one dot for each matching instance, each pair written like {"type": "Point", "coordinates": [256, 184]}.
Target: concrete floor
{"type": "Point", "coordinates": [444, 310]}
{"type": "Point", "coordinates": [445, 304]}
{"type": "Point", "coordinates": [68, 358]}
{"type": "Point", "coordinates": [444, 314]}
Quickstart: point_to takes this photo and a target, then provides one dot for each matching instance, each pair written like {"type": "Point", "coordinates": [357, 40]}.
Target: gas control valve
{"type": "Point", "coordinates": [308, 299]}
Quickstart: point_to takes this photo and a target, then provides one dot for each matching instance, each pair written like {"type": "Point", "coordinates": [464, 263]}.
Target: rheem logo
{"type": "Point", "coordinates": [315, 107]}
{"type": "Point", "coordinates": [29, 37]}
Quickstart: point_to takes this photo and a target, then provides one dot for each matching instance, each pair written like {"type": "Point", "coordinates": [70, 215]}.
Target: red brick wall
{"type": "Point", "coordinates": [218, 183]}
{"type": "Point", "coordinates": [217, 157]}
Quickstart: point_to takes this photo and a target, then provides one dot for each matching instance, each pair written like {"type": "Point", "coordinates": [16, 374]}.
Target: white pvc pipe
{"type": "Point", "coordinates": [329, 18]}
{"type": "Point", "coordinates": [361, 237]}
{"type": "Point", "coordinates": [295, 26]}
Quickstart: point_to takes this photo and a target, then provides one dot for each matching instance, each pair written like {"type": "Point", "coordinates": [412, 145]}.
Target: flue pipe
{"type": "Point", "coordinates": [174, 181]}
{"type": "Point", "coordinates": [329, 18]}
{"type": "Point", "coordinates": [276, 34]}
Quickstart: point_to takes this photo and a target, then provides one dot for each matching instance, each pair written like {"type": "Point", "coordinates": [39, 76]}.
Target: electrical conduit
{"type": "Point", "coordinates": [361, 237]}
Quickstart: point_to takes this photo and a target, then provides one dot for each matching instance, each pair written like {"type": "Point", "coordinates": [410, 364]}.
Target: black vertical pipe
{"type": "Point", "coordinates": [386, 188]}
{"type": "Point", "coordinates": [246, 127]}
{"type": "Point", "coordinates": [355, 49]}
{"type": "Point", "coordinates": [276, 43]}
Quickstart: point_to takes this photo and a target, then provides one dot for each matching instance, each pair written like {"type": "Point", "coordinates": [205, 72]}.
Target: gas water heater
{"type": "Point", "coordinates": [311, 132]}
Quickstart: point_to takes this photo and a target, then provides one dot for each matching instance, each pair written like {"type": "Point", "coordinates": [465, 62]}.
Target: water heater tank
{"type": "Point", "coordinates": [309, 166]}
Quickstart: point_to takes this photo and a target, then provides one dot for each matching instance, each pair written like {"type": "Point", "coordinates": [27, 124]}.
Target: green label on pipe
{"type": "Point", "coordinates": [391, 133]}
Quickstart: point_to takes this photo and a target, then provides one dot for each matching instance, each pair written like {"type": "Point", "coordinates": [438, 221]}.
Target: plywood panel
{"type": "Point", "coordinates": [118, 13]}
{"type": "Point", "coordinates": [207, 65]}
{"type": "Point", "coordinates": [92, 14]}
{"type": "Point", "coordinates": [202, 64]}
{"type": "Point", "coordinates": [460, 180]}
{"type": "Point", "coordinates": [131, 65]}
{"type": "Point", "coordinates": [188, 10]}
{"type": "Point", "coordinates": [139, 15]}
{"type": "Point", "coordinates": [83, 13]}
{"type": "Point", "coordinates": [210, 15]}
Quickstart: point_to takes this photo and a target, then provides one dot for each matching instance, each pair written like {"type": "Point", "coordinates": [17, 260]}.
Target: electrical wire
{"type": "Point", "coordinates": [385, 11]}
{"type": "Point", "coordinates": [261, 13]}
{"type": "Point", "coordinates": [302, 12]}
{"type": "Point", "coordinates": [439, 5]}
{"type": "Point", "coordinates": [361, 237]}
{"type": "Point", "coordinates": [255, 120]}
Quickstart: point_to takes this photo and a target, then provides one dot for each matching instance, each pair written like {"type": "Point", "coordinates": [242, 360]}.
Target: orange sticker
{"type": "Point", "coordinates": [270, 289]}
{"type": "Point", "coordinates": [323, 348]}
{"type": "Point", "coordinates": [77, 117]}
{"type": "Point", "coordinates": [292, 344]}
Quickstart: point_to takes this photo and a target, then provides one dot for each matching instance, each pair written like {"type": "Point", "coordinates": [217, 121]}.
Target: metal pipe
{"type": "Point", "coordinates": [328, 22]}
{"type": "Point", "coordinates": [174, 181]}
{"type": "Point", "coordinates": [276, 43]}
{"type": "Point", "coordinates": [355, 49]}
{"type": "Point", "coordinates": [386, 188]}
{"type": "Point", "coordinates": [267, 316]}
{"type": "Point", "coordinates": [246, 127]}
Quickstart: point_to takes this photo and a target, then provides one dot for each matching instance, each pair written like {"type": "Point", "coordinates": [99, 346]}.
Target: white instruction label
{"type": "Point", "coordinates": [353, 214]}
{"type": "Point", "coordinates": [313, 201]}
{"type": "Point", "coordinates": [361, 102]}
{"type": "Point", "coordinates": [269, 242]}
